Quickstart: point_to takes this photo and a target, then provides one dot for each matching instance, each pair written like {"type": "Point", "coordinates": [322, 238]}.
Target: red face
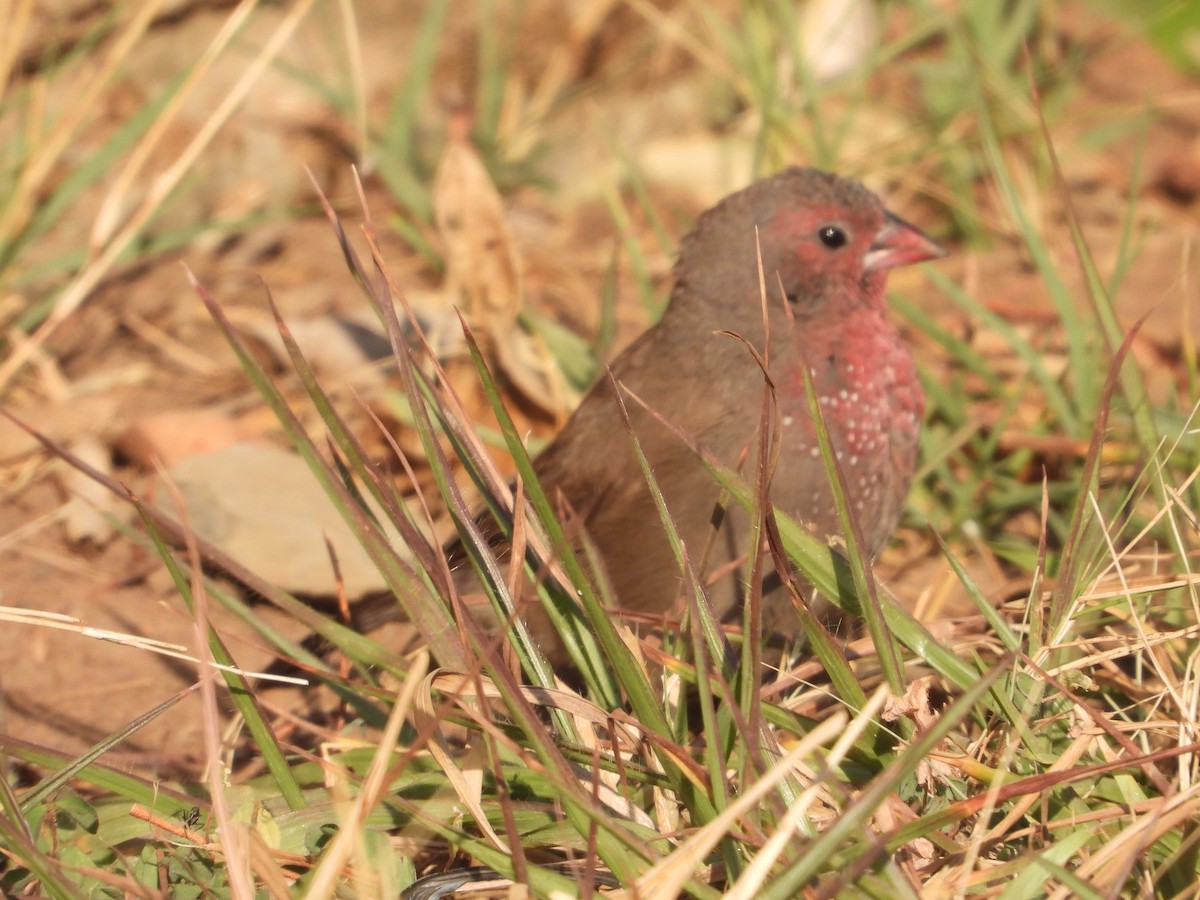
{"type": "Point", "coordinates": [827, 252]}
{"type": "Point", "coordinates": [818, 253]}
{"type": "Point", "coordinates": [827, 242]}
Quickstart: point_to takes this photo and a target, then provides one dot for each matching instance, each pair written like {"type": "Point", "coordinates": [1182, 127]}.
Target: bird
{"type": "Point", "coordinates": [822, 247]}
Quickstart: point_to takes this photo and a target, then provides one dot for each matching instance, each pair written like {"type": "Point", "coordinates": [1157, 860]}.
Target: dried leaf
{"type": "Point", "coordinates": [483, 275]}
{"type": "Point", "coordinates": [534, 372]}
{"type": "Point", "coordinates": [483, 269]}
{"type": "Point", "coordinates": [914, 704]}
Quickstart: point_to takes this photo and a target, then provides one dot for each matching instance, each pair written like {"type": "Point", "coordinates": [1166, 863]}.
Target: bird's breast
{"type": "Point", "coordinates": [872, 404]}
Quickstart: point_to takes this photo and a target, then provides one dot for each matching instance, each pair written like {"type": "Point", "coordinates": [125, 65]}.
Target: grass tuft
{"type": "Point", "coordinates": [1042, 741]}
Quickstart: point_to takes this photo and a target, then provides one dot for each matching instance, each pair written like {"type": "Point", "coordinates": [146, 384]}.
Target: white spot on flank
{"type": "Point", "coordinates": [854, 460]}
{"type": "Point", "coordinates": [787, 420]}
{"type": "Point", "coordinates": [814, 452]}
{"type": "Point", "coordinates": [842, 393]}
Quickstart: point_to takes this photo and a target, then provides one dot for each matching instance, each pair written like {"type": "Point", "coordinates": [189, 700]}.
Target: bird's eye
{"type": "Point", "coordinates": [832, 236]}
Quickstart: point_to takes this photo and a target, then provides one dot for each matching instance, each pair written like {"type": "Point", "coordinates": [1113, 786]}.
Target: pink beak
{"type": "Point", "coordinates": [899, 244]}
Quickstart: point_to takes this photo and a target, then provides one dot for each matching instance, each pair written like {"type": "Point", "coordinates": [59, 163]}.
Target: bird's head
{"type": "Point", "coordinates": [825, 241]}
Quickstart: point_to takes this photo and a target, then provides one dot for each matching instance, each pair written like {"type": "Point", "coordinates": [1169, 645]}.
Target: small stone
{"type": "Point", "coordinates": [265, 508]}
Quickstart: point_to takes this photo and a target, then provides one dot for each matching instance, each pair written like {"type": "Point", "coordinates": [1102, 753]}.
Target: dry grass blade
{"type": "Point", "coordinates": [53, 145]}
{"type": "Point", "coordinates": [328, 875]}
{"type": "Point", "coordinates": [438, 401]}
{"type": "Point", "coordinates": [750, 884]}
{"type": "Point", "coordinates": [430, 401]}
{"type": "Point", "coordinates": [234, 835]}
{"type": "Point", "coordinates": [114, 239]}
{"type": "Point", "coordinates": [468, 789]}
{"type": "Point", "coordinates": [63, 622]}
{"type": "Point", "coordinates": [1072, 555]}
{"type": "Point", "coordinates": [668, 877]}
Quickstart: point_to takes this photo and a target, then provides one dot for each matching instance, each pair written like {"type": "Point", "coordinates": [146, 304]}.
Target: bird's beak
{"type": "Point", "coordinates": [899, 244]}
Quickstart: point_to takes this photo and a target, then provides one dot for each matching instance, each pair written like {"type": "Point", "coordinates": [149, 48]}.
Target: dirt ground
{"type": "Point", "coordinates": [142, 345]}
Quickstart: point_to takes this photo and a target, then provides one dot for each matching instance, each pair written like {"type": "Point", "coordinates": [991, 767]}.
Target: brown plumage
{"type": "Point", "coordinates": [827, 244]}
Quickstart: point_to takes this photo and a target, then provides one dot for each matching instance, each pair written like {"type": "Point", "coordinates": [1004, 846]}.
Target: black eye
{"type": "Point", "coordinates": [832, 237]}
